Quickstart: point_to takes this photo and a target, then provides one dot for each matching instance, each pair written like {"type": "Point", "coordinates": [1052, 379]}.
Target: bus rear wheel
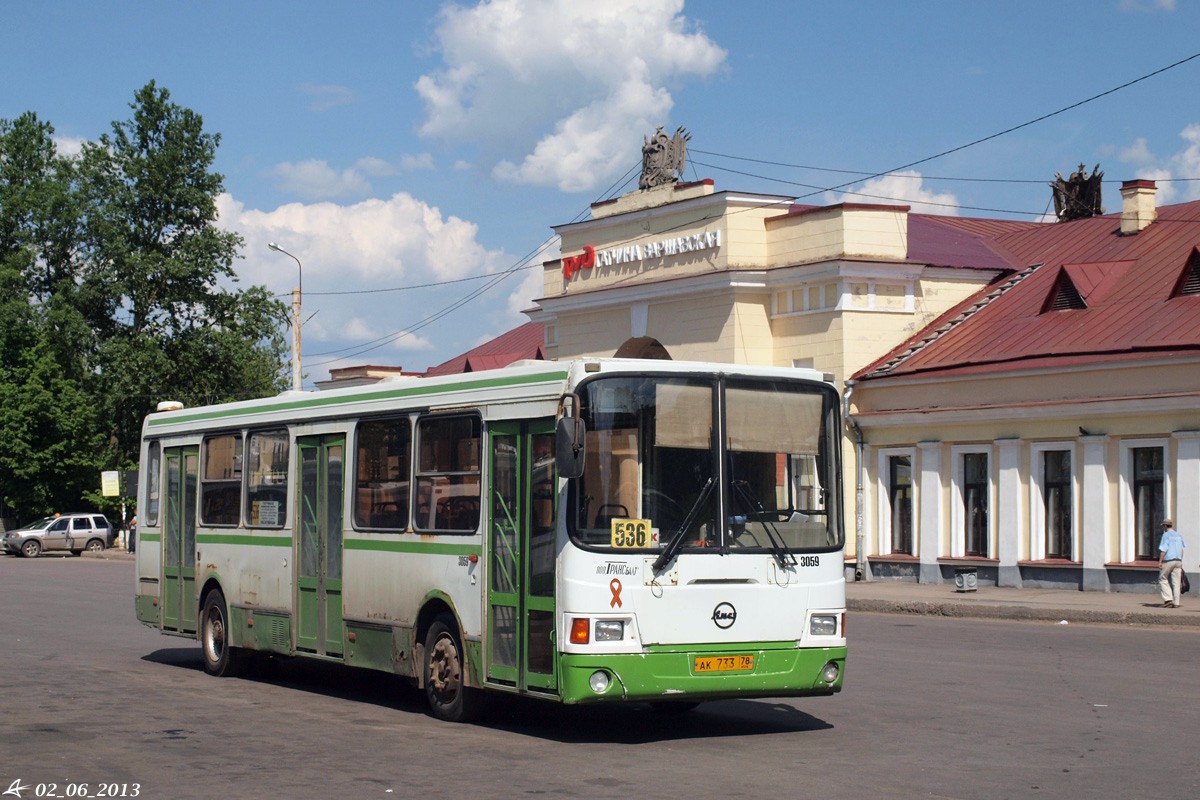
{"type": "Point", "coordinates": [220, 659]}
{"type": "Point", "coordinates": [445, 684]}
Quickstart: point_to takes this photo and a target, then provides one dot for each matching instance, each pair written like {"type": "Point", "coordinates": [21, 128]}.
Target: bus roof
{"type": "Point", "coordinates": [523, 381]}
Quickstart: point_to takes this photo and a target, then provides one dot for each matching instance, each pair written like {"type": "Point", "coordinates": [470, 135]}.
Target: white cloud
{"type": "Point", "coordinates": [314, 178]}
{"type": "Point", "coordinates": [411, 162]}
{"type": "Point", "coordinates": [68, 145]}
{"type": "Point", "coordinates": [1147, 5]}
{"type": "Point", "coordinates": [1169, 172]}
{"type": "Point", "coordinates": [358, 329]}
{"type": "Point", "coordinates": [1137, 153]}
{"type": "Point", "coordinates": [1187, 162]}
{"type": "Point", "coordinates": [375, 167]}
{"type": "Point", "coordinates": [348, 253]}
{"type": "Point", "coordinates": [560, 91]}
{"type": "Point", "coordinates": [905, 188]}
{"type": "Point", "coordinates": [398, 238]}
{"type": "Point", "coordinates": [325, 97]}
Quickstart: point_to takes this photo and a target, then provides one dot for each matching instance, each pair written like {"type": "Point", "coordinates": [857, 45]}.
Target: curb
{"type": "Point", "coordinates": [110, 554]}
{"type": "Point", "coordinates": [1169, 617]}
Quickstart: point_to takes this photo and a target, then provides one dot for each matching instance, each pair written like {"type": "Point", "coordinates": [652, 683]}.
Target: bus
{"type": "Point", "coordinates": [589, 531]}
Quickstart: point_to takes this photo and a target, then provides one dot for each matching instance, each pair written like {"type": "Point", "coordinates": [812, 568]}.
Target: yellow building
{"type": "Point", "coordinates": [953, 464]}
{"type": "Point", "coordinates": [755, 279]}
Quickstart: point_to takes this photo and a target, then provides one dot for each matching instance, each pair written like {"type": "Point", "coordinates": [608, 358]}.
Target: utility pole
{"type": "Point", "coordinates": [296, 300]}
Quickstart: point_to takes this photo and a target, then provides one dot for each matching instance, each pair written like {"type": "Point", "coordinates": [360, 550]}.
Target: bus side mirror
{"type": "Point", "coordinates": [570, 447]}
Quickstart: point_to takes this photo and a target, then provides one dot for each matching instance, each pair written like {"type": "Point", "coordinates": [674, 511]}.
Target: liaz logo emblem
{"type": "Point", "coordinates": [724, 615]}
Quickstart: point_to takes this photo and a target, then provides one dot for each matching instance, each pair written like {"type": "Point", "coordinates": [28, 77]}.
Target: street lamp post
{"type": "Point", "coordinates": [296, 297]}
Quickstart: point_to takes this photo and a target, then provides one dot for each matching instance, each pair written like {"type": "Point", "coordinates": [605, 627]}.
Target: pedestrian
{"type": "Point", "coordinates": [1170, 564]}
{"type": "Point", "coordinates": [131, 535]}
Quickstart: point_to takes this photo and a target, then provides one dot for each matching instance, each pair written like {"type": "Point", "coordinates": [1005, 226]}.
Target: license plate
{"type": "Point", "coordinates": [738, 663]}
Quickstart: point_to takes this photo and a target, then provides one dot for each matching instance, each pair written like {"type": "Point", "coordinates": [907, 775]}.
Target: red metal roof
{"type": "Point", "coordinates": [961, 242]}
{"type": "Point", "coordinates": [521, 342]}
{"type": "Point", "coordinates": [1126, 282]}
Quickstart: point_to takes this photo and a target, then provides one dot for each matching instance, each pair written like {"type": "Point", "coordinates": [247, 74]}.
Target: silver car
{"type": "Point", "coordinates": [72, 533]}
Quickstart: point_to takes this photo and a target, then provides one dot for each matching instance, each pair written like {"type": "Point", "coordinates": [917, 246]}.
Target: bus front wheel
{"type": "Point", "coordinates": [220, 659]}
{"type": "Point", "coordinates": [445, 683]}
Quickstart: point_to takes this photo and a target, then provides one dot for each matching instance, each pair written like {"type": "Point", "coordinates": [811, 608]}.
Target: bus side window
{"type": "Point", "coordinates": [153, 481]}
{"type": "Point", "coordinates": [221, 481]}
{"type": "Point", "coordinates": [448, 474]}
{"type": "Point", "coordinates": [382, 464]}
{"type": "Point", "coordinates": [267, 478]}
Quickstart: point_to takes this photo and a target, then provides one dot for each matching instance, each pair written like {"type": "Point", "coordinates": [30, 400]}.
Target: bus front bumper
{"type": "Point", "coordinates": [693, 675]}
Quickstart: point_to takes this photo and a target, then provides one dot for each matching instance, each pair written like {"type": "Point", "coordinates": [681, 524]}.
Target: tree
{"type": "Point", "coordinates": [117, 290]}
{"type": "Point", "coordinates": [160, 287]}
{"type": "Point", "coordinates": [47, 419]}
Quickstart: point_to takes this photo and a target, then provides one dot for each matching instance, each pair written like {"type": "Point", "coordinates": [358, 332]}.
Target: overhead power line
{"type": "Point", "coordinates": [527, 262]}
{"type": "Point", "coordinates": [1007, 131]}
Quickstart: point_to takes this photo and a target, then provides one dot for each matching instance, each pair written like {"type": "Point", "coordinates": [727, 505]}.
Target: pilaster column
{"type": "Point", "coordinates": [929, 530]}
{"type": "Point", "coordinates": [1187, 496]}
{"type": "Point", "coordinates": [1009, 525]}
{"type": "Point", "coordinates": [1094, 517]}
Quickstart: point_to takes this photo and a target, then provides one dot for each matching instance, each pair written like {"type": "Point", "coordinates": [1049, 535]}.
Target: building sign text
{"type": "Point", "coordinates": [590, 257]}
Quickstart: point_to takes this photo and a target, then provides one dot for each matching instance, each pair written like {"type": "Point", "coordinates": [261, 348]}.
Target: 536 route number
{"type": "Point", "coordinates": [633, 533]}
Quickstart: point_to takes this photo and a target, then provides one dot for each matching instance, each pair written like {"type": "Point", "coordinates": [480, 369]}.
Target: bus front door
{"type": "Point", "coordinates": [179, 539]}
{"type": "Point", "coordinates": [319, 627]}
{"type": "Point", "coordinates": [521, 553]}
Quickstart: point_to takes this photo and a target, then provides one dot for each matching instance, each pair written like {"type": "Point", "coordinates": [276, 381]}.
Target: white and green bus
{"type": "Point", "coordinates": [588, 531]}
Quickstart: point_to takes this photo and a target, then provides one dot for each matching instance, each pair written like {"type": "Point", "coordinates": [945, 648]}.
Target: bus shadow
{"type": "Point", "coordinates": [326, 679]}
{"type": "Point", "coordinates": [639, 723]}
{"type": "Point", "coordinates": [614, 723]}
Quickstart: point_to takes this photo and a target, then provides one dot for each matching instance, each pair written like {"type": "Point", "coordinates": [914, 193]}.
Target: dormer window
{"type": "Point", "coordinates": [1189, 281]}
{"type": "Point", "coordinates": [1064, 296]}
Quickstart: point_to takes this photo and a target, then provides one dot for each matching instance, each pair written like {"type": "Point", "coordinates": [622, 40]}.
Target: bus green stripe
{"type": "Point", "coordinates": [317, 401]}
{"type": "Point", "coordinates": [149, 537]}
{"type": "Point", "coordinates": [430, 548]}
{"type": "Point", "coordinates": [377, 545]}
{"type": "Point", "coordinates": [241, 538]}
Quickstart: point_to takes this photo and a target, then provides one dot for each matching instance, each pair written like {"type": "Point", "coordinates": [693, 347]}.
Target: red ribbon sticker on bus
{"type": "Point", "coordinates": [615, 587]}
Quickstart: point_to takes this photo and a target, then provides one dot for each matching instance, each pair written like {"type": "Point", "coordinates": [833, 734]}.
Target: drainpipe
{"type": "Point", "coordinates": [862, 570]}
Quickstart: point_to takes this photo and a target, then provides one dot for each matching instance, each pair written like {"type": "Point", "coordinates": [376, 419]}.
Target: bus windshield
{"type": "Point", "coordinates": [728, 464]}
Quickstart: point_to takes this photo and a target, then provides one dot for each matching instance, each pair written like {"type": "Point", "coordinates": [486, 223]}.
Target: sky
{"type": "Point", "coordinates": [414, 155]}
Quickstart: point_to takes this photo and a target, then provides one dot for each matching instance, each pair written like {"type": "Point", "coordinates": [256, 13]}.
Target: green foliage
{"type": "Point", "coordinates": [117, 290]}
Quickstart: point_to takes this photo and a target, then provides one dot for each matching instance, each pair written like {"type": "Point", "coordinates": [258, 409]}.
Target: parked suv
{"type": "Point", "coordinates": [66, 532]}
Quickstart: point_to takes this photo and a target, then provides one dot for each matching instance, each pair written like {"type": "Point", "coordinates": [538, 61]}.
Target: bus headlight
{"type": "Point", "coordinates": [823, 625]}
{"type": "Point", "coordinates": [610, 630]}
{"type": "Point", "coordinates": [829, 673]}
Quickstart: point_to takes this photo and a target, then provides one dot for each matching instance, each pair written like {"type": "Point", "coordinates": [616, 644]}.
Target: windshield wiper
{"type": "Point", "coordinates": [677, 538]}
{"type": "Point", "coordinates": [782, 555]}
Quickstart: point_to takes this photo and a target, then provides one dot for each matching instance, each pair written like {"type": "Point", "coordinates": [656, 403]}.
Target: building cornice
{"type": "Point", "coordinates": [715, 201]}
{"type": "Point", "coordinates": [1132, 405]}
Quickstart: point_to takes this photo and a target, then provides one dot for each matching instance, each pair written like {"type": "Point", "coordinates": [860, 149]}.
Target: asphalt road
{"type": "Point", "coordinates": [933, 707]}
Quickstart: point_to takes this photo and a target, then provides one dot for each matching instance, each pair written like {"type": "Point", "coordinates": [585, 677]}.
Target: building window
{"type": "Point", "coordinates": [975, 490]}
{"type": "Point", "coordinates": [1057, 503]}
{"type": "Point", "coordinates": [900, 507]}
{"type": "Point", "coordinates": [1148, 500]}
{"type": "Point", "coordinates": [1052, 519]}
